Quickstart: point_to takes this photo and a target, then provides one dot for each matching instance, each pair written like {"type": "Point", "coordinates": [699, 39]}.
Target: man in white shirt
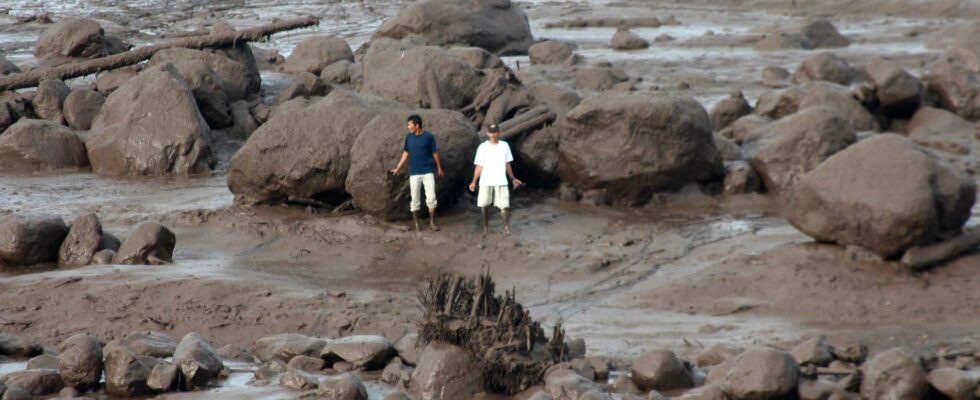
{"type": "Point", "coordinates": [492, 162]}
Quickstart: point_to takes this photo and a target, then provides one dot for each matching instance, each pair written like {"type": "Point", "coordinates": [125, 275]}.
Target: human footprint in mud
{"type": "Point", "coordinates": [422, 156]}
{"type": "Point", "coordinates": [492, 162]}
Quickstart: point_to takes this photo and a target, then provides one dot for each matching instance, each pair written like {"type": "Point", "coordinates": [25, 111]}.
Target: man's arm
{"type": "Point", "coordinates": [401, 163]}
{"type": "Point", "coordinates": [435, 156]}
{"type": "Point", "coordinates": [510, 173]}
{"type": "Point", "coordinates": [476, 176]}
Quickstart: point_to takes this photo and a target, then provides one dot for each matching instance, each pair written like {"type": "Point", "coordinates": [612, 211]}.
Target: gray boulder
{"type": "Point", "coordinates": [899, 93]}
{"type": "Point", "coordinates": [761, 373]}
{"type": "Point", "coordinates": [149, 344]}
{"type": "Point", "coordinates": [163, 377]}
{"type": "Point", "coordinates": [822, 34]}
{"type": "Point", "coordinates": [624, 39]}
{"type": "Point", "coordinates": [236, 78]}
{"type": "Point", "coordinates": [498, 26]}
{"type": "Point", "coordinates": [110, 81]}
{"type": "Point", "coordinates": [421, 77]}
{"type": "Point", "coordinates": [337, 73]}
{"type": "Point", "coordinates": [660, 370]}
{"type": "Point", "coordinates": [783, 41]}
{"type": "Point", "coordinates": [558, 99]}
{"type": "Point", "coordinates": [150, 243]}
{"type": "Point", "coordinates": [894, 374]}
{"type": "Point", "coordinates": [814, 351]}
{"type": "Point", "coordinates": [30, 239]}
{"type": "Point", "coordinates": [379, 146]}
{"type": "Point", "coordinates": [740, 178]}
{"type": "Point", "coordinates": [315, 53]}
{"type": "Point", "coordinates": [565, 384]}
{"type": "Point", "coordinates": [839, 99]}
{"type": "Point", "coordinates": [18, 346]}
{"type": "Point", "coordinates": [126, 372]}
{"type": "Point", "coordinates": [298, 379]}
{"type": "Point", "coordinates": [208, 91]}
{"type": "Point", "coordinates": [550, 52]}
{"type": "Point", "coordinates": [599, 77]}
{"type": "Point", "coordinates": [198, 361]}
{"type": "Point", "coordinates": [825, 66]}
{"type": "Point", "coordinates": [244, 124]}
{"type": "Point", "coordinates": [604, 147]}
{"type": "Point", "coordinates": [954, 383]}
{"type": "Point", "coordinates": [447, 372]}
{"type": "Point", "coordinates": [780, 103]}
{"type": "Point", "coordinates": [407, 350]}
{"type": "Point", "coordinates": [7, 67]}
{"type": "Point", "coordinates": [345, 386]}
{"type": "Point", "coordinates": [84, 239]}
{"type": "Point", "coordinates": [33, 382]}
{"type": "Point", "coordinates": [956, 86]}
{"type": "Point", "coordinates": [150, 126]}
{"type": "Point", "coordinates": [284, 347]}
{"type": "Point", "coordinates": [305, 153]}
{"type": "Point", "coordinates": [32, 145]}
{"type": "Point", "coordinates": [795, 145]}
{"type": "Point", "coordinates": [364, 351]}
{"type": "Point", "coordinates": [43, 361]}
{"type": "Point", "coordinates": [306, 363]}
{"type": "Point", "coordinates": [728, 110]}
{"type": "Point", "coordinates": [477, 57]}
{"type": "Point", "coordinates": [536, 157]}
{"type": "Point", "coordinates": [80, 108]}
{"type": "Point", "coordinates": [72, 37]}
{"type": "Point", "coordinates": [80, 361]}
{"type": "Point", "coordinates": [49, 100]}
{"type": "Point", "coordinates": [305, 85]}
{"type": "Point", "coordinates": [884, 194]}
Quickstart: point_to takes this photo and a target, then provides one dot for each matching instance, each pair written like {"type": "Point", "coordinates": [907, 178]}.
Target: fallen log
{"type": "Point", "coordinates": [77, 69]}
{"type": "Point", "coordinates": [926, 256]}
{"type": "Point", "coordinates": [522, 123]}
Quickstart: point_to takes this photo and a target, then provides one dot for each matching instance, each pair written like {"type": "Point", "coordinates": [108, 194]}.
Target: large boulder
{"type": "Point", "coordinates": [33, 382]}
{"type": "Point", "coordinates": [18, 346]}
{"type": "Point", "coordinates": [345, 386]}
{"type": "Point", "coordinates": [73, 37]}
{"type": "Point", "coordinates": [446, 372]}
{"type": "Point", "coordinates": [236, 78]}
{"type": "Point", "coordinates": [761, 374]}
{"type": "Point", "coordinates": [728, 110]}
{"type": "Point", "coordinates": [822, 34]}
{"type": "Point", "coordinates": [899, 93]}
{"type": "Point", "coordinates": [782, 152]}
{"type": "Point", "coordinates": [379, 146]}
{"type": "Point", "coordinates": [894, 374]}
{"type": "Point", "coordinates": [365, 351]}
{"type": "Point", "coordinates": [149, 344]}
{"type": "Point", "coordinates": [110, 81]}
{"type": "Point", "coordinates": [49, 100]}
{"type": "Point", "coordinates": [126, 372]}
{"type": "Point", "coordinates": [954, 383]}
{"type": "Point", "coordinates": [149, 243]}
{"type": "Point", "coordinates": [660, 370]}
{"type": "Point", "coordinates": [825, 66]}
{"type": "Point", "coordinates": [477, 57]}
{"type": "Point", "coordinates": [558, 99]}
{"type": "Point", "coordinates": [30, 239]}
{"type": "Point", "coordinates": [884, 194]}
{"type": "Point", "coordinates": [624, 39]}
{"type": "Point", "coordinates": [80, 361]}
{"type": "Point", "coordinates": [209, 93]}
{"type": "Point", "coordinates": [284, 347]}
{"type": "Point", "coordinates": [633, 144]}
{"type": "Point", "coordinates": [80, 108]}
{"type": "Point", "coordinates": [421, 77]}
{"type": "Point", "coordinates": [947, 135]}
{"type": "Point", "coordinates": [550, 52]}
{"type": "Point", "coordinates": [85, 238]}
{"type": "Point", "coordinates": [315, 53]}
{"type": "Point", "coordinates": [38, 145]}
{"type": "Point", "coordinates": [600, 77]}
{"type": "Point", "coordinates": [498, 26]}
{"type": "Point", "coordinates": [304, 153]}
{"type": "Point", "coordinates": [957, 87]}
{"type": "Point", "coordinates": [14, 106]}
{"type": "Point", "coordinates": [776, 104]}
{"type": "Point", "coordinates": [839, 99]}
{"type": "Point", "coordinates": [198, 361]}
{"type": "Point", "coordinates": [536, 157]}
{"type": "Point", "coordinates": [150, 126]}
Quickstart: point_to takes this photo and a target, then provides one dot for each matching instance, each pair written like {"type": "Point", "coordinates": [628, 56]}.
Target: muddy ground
{"type": "Point", "coordinates": [688, 271]}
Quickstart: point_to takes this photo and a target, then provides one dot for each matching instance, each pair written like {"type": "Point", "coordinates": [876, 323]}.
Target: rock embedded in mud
{"type": "Point", "coordinates": [306, 363]}
{"type": "Point", "coordinates": [163, 377]}
{"type": "Point", "coordinates": [72, 37]}
{"type": "Point", "coordinates": [660, 370]}
{"type": "Point", "coordinates": [34, 382]}
{"type": "Point", "coordinates": [603, 148]}
{"type": "Point", "coordinates": [825, 66]}
{"type": "Point", "coordinates": [80, 361]}
{"type": "Point", "coordinates": [236, 353]}
{"type": "Point", "coordinates": [822, 34]}
{"type": "Point", "coordinates": [126, 372]}
{"type": "Point", "coordinates": [7, 68]}
{"type": "Point", "coordinates": [150, 344]}
{"type": "Point", "coordinates": [898, 92]}
{"type": "Point", "coordinates": [43, 361]}
{"type": "Point", "coordinates": [84, 239]}
{"type": "Point", "coordinates": [198, 361]}
{"type": "Point", "coordinates": [30, 239]}
{"type": "Point", "coordinates": [599, 77]}
{"type": "Point", "coordinates": [345, 386]}
{"type": "Point", "coordinates": [583, 367]}
{"type": "Point", "coordinates": [707, 392]}
{"type": "Point", "coordinates": [208, 91]}
{"type": "Point", "coordinates": [315, 53]}
{"type": "Point", "coordinates": [49, 100]}
{"type": "Point", "coordinates": [550, 52]}
{"type": "Point", "coordinates": [32, 145]}
{"type": "Point", "coordinates": [421, 77]}
{"type": "Point", "coordinates": [728, 110]}
{"type": "Point", "coordinates": [284, 347]}
{"type": "Point", "coordinates": [446, 372]}
{"type": "Point", "coordinates": [565, 384]}
{"type": "Point", "coordinates": [814, 351]}
{"type": "Point", "coordinates": [740, 178]}
{"type": "Point", "coordinates": [954, 383]}
{"type": "Point", "coordinates": [783, 41]}
{"type": "Point", "coordinates": [884, 194]}
{"type": "Point", "coordinates": [714, 355]}
{"type": "Point", "coordinates": [80, 108]}
{"type": "Point", "coordinates": [235, 78]}
{"type": "Point", "coordinates": [840, 99]}
{"type": "Point", "coordinates": [18, 346]}
{"type": "Point", "coordinates": [956, 86]}
{"type": "Point", "coordinates": [397, 374]}
{"type": "Point", "coordinates": [776, 104]}
{"type": "Point", "coordinates": [243, 123]}
{"type": "Point", "coordinates": [337, 73]}
{"type": "Point", "coordinates": [775, 77]}
{"type": "Point", "coordinates": [624, 39]}
{"type": "Point", "coordinates": [110, 81]}
{"type": "Point", "coordinates": [894, 374]}
{"type": "Point", "coordinates": [819, 389]}
{"type": "Point", "coordinates": [623, 384]}
{"type": "Point", "coordinates": [298, 379]}
{"type": "Point", "coordinates": [498, 26]}
{"type": "Point", "coordinates": [795, 145]}
{"type": "Point", "coordinates": [150, 243]}
{"type": "Point", "coordinates": [761, 373]}
{"type": "Point", "coordinates": [305, 85]}
{"type": "Point", "coordinates": [600, 366]}
{"type": "Point", "coordinates": [407, 349]}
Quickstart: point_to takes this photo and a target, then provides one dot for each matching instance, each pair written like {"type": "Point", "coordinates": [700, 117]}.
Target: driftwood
{"type": "Point", "coordinates": [77, 69]}
{"type": "Point", "coordinates": [532, 119]}
{"type": "Point", "coordinates": [926, 256]}
{"type": "Point", "coordinates": [511, 347]}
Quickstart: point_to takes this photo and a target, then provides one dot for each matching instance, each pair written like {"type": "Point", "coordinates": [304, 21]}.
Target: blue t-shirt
{"type": "Point", "coordinates": [420, 149]}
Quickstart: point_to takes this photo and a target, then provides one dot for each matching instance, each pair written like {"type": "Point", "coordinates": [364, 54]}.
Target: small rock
{"type": "Point", "coordinates": [397, 374]}
{"type": "Point", "coordinates": [163, 377]}
{"type": "Point", "coordinates": [813, 351]}
{"type": "Point", "coordinates": [151, 243]}
{"type": "Point", "coordinates": [661, 370]}
{"type": "Point", "coordinates": [343, 387]}
{"type": "Point", "coordinates": [306, 363]}
{"type": "Point", "coordinates": [80, 361]}
{"type": "Point", "coordinates": [365, 351]}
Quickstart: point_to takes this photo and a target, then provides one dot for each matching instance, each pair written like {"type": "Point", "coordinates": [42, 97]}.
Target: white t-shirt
{"type": "Point", "coordinates": [493, 158]}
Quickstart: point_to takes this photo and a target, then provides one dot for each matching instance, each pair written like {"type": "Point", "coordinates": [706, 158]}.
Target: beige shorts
{"type": "Point", "coordinates": [499, 196]}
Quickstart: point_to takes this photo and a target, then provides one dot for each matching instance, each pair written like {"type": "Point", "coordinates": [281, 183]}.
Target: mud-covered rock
{"type": "Point", "coordinates": [30, 239]}
{"type": "Point", "coordinates": [163, 377]}
{"type": "Point", "coordinates": [364, 351]}
{"type": "Point", "coordinates": [422, 77]}
{"type": "Point", "coordinates": [18, 346]}
{"type": "Point", "coordinates": [243, 123]}
{"type": "Point", "coordinates": [7, 67]}
{"type": "Point", "coordinates": [660, 370]}
{"type": "Point", "coordinates": [110, 81]}
{"type": "Point", "coordinates": [631, 145]}
{"type": "Point", "coordinates": [783, 41]}
{"type": "Point", "coordinates": [32, 145]}
{"type": "Point", "coordinates": [337, 73]}
{"type": "Point", "coordinates": [284, 347]}
{"type": "Point", "coordinates": [305, 85]}
{"type": "Point", "coordinates": [954, 383]}
{"type": "Point", "coordinates": [80, 361]}
{"type": "Point", "coordinates": [956, 86]}
{"type": "Point", "coordinates": [446, 372]}
{"type": "Point", "coordinates": [565, 384]}
{"type": "Point", "coordinates": [43, 361]}
{"type": "Point", "coordinates": [304, 153]}
{"type": "Point", "coordinates": [80, 108]}
{"type": "Point", "coordinates": [775, 77]}
{"type": "Point", "coordinates": [839, 99]}
{"type": "Point", "coordinates": [729, 109]}
{"type": "Point", "coordinates": [599, 77]}
{"type": "Point", "coordinates": [814, 351]}
{"type": "Point", "coordinates": [558, 100]}
{"type": "Point", "coordinates": [49, 100]}
{"type": "Point", "coordinates": [236, 79]}
{"type": "Point", "coordinates": [345, 386]}
{"type": "Point", "coordinates": [34, 382]}
{"type": "Point", "coordinates": [150, 243]}
{"type": "Point", "coordinates": [894, 374]}
{"type": "Point", "coordinates": [198, 361]}
{"type": "Point", "coordinates": [761, 373]}
{"type": "Point", "coordinates": [825, 66]}
{"type": "Point", "coordinates": [208, 91]}
{"type": "Point", "coordinates": [822, 34]}
{"type": "Point", "coordinates": [150, 126]}
{"type": "Point", "coordinates": [706, 392]}
{"type": "Point", "coordinates": [498, 26]}
{"type": "Point", "coordinates": [550, 52]}
{"type": "Point", "coordinates": [72, 37]}
{"type": "Point", "coordinates": [740, 178]}
{"type": "Point", "coordinates": [795, 145]}
{"type": "Point", "coordinates": [477, 57]}
{"type": "Point", "coordinates": [714, 355]}
{"type": "Point", "coordinates": [898, 92]}
{"type": "Point", "coordinates": [84, 239]}
{"type": "Point", "coordinates": [315, 53]}
{"type": "Point", "coordinates": [780, 103]}
{"type": "Point", "coordinates": [625, 39]}
{"type": "Point", "coordinates": [536, 157]}
{"type": "Point", "coordinates": [298, 379]}
{"type": "Point", "coordinates": [397, 374]}
{"type": "Point", "coordinates": [150, 344]}
{"type": "Point", "coordinates": [379, 146]}
{"type": "Point", "coordinates": [306, 363]}
{"type": "Point", "coordinates": [407, 349]}
{"type": "Point", "coordinates": [126, 372]}
{"type": "Point", "coordinates": [884, 194]}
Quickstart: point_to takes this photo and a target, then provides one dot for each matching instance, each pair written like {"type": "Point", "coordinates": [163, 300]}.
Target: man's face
{"type": "Point", "coordinates": [413, 127]}
{"type": "Point", "coordinates": [493, 136]}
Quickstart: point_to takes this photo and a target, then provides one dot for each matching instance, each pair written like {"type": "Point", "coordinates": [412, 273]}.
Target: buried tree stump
{"type": "Point", "coordinates": [511, 347]}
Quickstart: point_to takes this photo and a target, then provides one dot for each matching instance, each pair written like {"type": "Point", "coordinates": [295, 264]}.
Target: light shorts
{"type": "Point", "coordinates": [499, 196]}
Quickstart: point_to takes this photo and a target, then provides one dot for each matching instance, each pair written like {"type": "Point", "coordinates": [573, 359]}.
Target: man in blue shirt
{"type": "Point", "coordinates": [422, 156]}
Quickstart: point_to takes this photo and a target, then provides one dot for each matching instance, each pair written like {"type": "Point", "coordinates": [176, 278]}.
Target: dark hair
{"type": "Point", "coordinates": [416, 119]}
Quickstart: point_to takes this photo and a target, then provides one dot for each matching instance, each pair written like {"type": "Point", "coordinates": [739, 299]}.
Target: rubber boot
{"type": "Point", "coordinates": [415, 220]}
{"type": "Point", "coordinates": [486, 220]}
{"type": "Point", "coordinates": [506, 214]}
{"type": "Point", "coordinates": [432, 219]}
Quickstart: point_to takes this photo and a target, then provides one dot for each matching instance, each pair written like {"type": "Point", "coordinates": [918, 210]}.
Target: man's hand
{"type": "Point", "coordinates": [394, 171]}
{"type": "Point", "coordinates": [472, 186]}
{"type": "Point", "coordinates": [440, 173]}
{"type": "Point", "coordinates": [517, 183]}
